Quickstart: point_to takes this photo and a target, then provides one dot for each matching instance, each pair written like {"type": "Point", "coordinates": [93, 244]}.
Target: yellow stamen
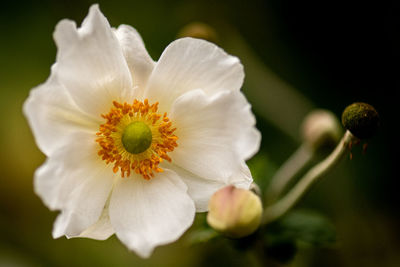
{"type": "Point", "coordinates": [112, 149]}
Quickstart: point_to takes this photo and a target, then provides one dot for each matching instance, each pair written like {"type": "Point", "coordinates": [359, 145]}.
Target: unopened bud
{"type": "Point", "coordinates": [199, 30]}
{"type": "Point", "coordinates": [320, 129]}
{"type": "Point", "coordinates": [361, 119]}
{"type": "Point", "coordinates": [234, 212]}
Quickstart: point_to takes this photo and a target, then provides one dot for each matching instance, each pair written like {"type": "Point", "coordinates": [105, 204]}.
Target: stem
{"type": "Point", "coordinates": [287, 172]}
{"type": "Point", "coordinates": [275, 211]}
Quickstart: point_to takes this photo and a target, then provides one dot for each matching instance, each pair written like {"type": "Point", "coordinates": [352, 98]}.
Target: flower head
{"type": "Point", "coordinates": [135, 147]}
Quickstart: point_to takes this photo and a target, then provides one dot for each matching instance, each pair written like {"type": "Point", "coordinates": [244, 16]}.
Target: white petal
{"type": "Point", "coordinates": [145, 214]}
{"type": "Point", "coordinates": [84, 205]}
{"type": "Point", "coordinates": [139, 61]}
{"type": "Point", "coordinates": [76, 181]}
{"type": "Point", "coordinates": [248, 138]}
{"type": "Point", "coordinates": [188, 64]}
{"type": "Point", "coordinates": [53, 115]}
{"type": "Point", "coordinates": [47, 182]}
{"type": "Point", "coordinates": [91, 65]}
{"type": "Point", "coordinates": [201, 189]}
{"type": "Point", "coordinates": [102, 229]}
{"type": "Point", "coordinates": [243, 178]}
{"type": "Point", "coordinates": [211, 131]}
{"type": "Point", "coordinates": [250, 143]}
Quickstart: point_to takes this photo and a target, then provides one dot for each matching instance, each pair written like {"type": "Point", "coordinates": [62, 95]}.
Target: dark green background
{"type": "Point", "coordinates": [332, 52]}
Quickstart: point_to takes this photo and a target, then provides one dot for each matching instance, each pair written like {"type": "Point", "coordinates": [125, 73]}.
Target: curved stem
{"type": "Point", "coordinates": [274, 211]}
{"type": "Point", "coordinates": [287, 172]}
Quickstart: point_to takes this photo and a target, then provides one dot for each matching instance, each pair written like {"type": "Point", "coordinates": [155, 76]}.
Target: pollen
{"type": "Point", "coordinates": [135, 138]}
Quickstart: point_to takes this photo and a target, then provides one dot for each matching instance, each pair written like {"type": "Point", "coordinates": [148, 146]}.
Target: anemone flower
{"type": "Point", "coordinates": [135, 147]}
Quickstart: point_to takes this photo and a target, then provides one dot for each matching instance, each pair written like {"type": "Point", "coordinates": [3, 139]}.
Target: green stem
{"type": "Point", "coordinates": [276, 210]}
{"type": "Point", "coordinates": [287, 172]}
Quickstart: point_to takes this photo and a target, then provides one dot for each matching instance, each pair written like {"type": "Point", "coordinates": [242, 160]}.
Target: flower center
{"type": "Point", "coordinates": [136, 138]}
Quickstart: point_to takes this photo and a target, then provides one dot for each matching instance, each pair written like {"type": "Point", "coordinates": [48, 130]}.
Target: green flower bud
{"type": "Point", "coordinates": [234, 212]}
{"type": "Point", "coordinates": [361, 119]}
{"type": "Point", "coordinates": [321, 129]}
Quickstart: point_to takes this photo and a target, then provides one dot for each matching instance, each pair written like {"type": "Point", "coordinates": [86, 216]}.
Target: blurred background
{"type": "Point", "coordinates": [298, 55]}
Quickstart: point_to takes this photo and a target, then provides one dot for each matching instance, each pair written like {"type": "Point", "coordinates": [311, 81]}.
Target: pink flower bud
{"type": "Point", "coordinates": [234, 212]}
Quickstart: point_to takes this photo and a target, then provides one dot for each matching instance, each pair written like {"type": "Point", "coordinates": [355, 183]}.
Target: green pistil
{"type": "Point", "coordinates": [136, 137]}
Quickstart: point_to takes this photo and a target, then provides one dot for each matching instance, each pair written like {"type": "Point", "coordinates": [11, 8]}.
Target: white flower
{"type": "Point", "coordinates": [135, 147]}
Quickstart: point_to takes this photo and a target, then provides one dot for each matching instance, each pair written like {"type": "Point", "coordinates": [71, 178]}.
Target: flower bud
{"type": "Point", "coordinates": [199, 30]}
{"type": "Point", "coordinates": [361, 119]}
{"type": "Point", "coordinates": [234, 212]}
{"type": "Point", "coordinates": [321, 129]}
